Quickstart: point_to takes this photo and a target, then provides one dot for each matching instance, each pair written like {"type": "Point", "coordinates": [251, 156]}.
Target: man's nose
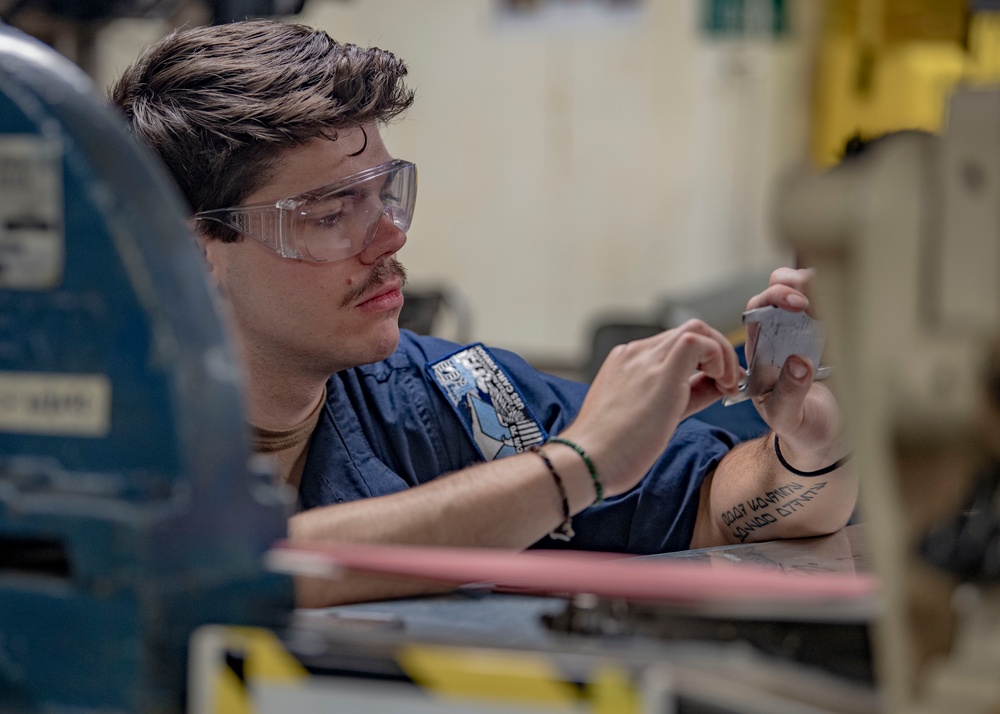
{"type": "Point", "coordinates": [386, 241]}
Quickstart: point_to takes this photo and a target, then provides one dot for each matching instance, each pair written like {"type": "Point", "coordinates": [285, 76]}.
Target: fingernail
{"type": "Point", "coordinates": [797, 368]}
{"type": "Point", "coordinates": [796, 300]}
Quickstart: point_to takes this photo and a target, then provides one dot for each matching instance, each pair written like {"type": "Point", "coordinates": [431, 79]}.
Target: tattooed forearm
{"type": "Point", "coordinates": [768, 498]}
{"type": "Point", "coordinates": [751, 524]}
{"type": "Point", "coordinates": [793, 504]}
{"type": "Point", "coordinates": [770, 507]}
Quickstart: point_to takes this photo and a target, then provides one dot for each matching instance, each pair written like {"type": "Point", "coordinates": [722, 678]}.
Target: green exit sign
{"type": "Point", "coordinates": [740, 18]}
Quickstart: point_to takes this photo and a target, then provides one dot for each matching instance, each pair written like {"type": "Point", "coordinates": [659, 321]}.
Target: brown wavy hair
{"type": "Point", "coordinates": [218, 104]}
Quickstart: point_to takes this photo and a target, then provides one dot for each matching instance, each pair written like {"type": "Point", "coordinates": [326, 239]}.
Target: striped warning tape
{"type": "Point", "coordinates": [239, 670]}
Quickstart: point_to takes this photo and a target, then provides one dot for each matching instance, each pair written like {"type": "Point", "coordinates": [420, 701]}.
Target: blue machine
{"type": "Point", "coordinates": [129, 514]}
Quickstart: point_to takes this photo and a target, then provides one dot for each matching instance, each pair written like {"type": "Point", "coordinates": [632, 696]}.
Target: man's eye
{"type": "Point", "coordinates": [328, 220]}
{"type": "Point", "coordinates": [329, 211]}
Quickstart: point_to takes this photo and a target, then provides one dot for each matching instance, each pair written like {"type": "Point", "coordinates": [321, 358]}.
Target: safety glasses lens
{"type": "Point", "coordinates": [342, 223]}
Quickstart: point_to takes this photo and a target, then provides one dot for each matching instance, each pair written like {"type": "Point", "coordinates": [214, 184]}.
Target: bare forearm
{"type": "Point", "coordinates": [510, 503]}
{"type": "Point", "coordinates": [751, 498]}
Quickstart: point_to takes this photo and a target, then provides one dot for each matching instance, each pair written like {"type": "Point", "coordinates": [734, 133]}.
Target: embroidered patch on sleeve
{"type": "Point", "coordinates": [487, 403]}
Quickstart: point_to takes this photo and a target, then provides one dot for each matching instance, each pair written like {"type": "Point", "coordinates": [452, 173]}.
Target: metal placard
{"type": "Point", "coordinates": [32, 241]}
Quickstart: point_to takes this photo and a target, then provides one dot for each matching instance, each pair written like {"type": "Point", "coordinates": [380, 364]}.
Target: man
{"type": "Point", "coordinates": [271, 131]}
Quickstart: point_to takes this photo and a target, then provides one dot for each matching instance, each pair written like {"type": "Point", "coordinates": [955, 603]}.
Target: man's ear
{"type": "Point", "coordinates": [209, 249]}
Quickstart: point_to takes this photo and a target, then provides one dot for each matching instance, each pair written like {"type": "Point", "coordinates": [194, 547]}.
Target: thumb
{"type": "Point", "coordinates": [784, 403]}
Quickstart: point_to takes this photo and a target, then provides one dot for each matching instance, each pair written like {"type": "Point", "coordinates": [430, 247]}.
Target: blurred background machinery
{"type": "Point", "coordinates": [887, 65]}
{"type": "Point", "coordinates": [129, 514]}
{"type": "Point", "coordinates": [905, 237]}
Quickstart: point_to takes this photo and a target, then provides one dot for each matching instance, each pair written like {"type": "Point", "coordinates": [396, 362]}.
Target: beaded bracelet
{"type": "Point", "coordinates": [820, 472]}
{"type": "Point", "coordinates": [586, 459]}
{"type": "Point", "coordinates": [564, 531]}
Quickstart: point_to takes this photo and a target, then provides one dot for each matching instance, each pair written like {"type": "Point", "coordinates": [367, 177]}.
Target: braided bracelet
{"type": "Point", "coordinates": [820, 472]}
{"type": "Point", "coordinates": [564, 531]}
{"type": "Point", "coordinates": [586, 459]}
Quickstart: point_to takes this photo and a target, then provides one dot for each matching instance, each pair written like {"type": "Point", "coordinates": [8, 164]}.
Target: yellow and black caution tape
{"type": "Point", "coordinates": [466, 677]}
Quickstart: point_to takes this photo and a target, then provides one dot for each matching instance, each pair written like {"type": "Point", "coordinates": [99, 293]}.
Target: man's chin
{"type": "Point", "coordinates": [384, 342]}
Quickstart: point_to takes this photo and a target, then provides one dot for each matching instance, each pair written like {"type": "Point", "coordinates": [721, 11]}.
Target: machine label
{"type": "Point", "coordinates": [55, 404]}
{"type": "Point", "coordinates": [32, 242]}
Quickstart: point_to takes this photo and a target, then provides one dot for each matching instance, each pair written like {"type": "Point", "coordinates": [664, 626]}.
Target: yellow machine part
{"type": "Point", "coordinates": [886, 65]}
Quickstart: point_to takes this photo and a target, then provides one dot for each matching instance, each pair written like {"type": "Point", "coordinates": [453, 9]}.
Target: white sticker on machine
{"type": "Point", "coordinates": [55, 404]}
{"type": "Point", "coordinates": [32, 241]}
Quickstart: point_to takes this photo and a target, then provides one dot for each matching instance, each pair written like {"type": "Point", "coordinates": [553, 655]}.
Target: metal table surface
{"type": "Point", "coordinates": [477, 614]}
{"type": "Point", "coordinates": [796, 665]}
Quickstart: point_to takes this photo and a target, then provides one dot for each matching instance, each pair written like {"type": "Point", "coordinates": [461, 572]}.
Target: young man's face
{"type": "Point", "coordinates": [316, 318]}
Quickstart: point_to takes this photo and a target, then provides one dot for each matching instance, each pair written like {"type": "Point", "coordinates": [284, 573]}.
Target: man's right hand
{"type": "Point", "coordinates": [643, 391]}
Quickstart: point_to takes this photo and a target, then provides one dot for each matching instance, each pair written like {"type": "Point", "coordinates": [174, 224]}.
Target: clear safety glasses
{"type": "Point", "coordinates": [329, 223]}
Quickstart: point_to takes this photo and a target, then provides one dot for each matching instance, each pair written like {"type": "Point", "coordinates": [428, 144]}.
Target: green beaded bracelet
{"type": "Point", "coordinates": [586, 459]}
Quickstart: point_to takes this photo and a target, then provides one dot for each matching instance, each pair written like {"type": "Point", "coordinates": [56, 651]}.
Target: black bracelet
{"type": "Point", "coordinates": [564, 531]}
{"type": "Point", "coordinates": [788, 467]}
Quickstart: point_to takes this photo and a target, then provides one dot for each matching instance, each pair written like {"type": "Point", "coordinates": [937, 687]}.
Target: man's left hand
{"type": "Point", "coordinates": [803, 413]}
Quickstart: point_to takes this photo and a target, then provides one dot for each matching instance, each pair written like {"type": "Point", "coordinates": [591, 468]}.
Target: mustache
{"type": "Point", "coordinates": [381, 273]}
